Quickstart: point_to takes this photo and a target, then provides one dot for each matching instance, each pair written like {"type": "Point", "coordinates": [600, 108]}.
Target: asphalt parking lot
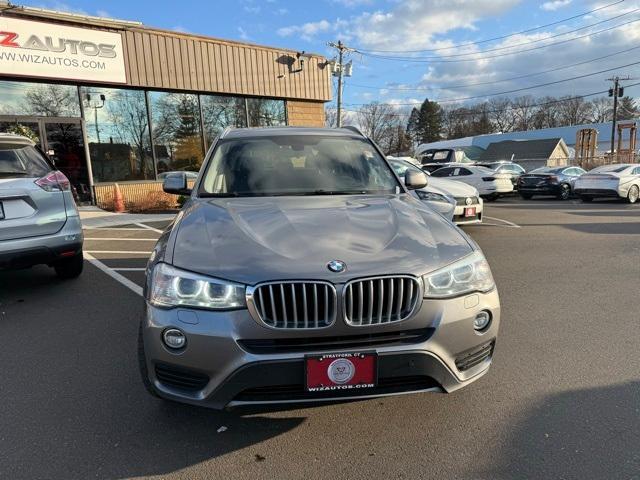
{"type": "Point", "coordinates": [562, 399]}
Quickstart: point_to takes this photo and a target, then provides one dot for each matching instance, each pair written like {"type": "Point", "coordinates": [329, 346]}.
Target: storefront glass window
{"type": "Point", "coordinates": [38, 99]}
{"type": "Point", "coordinates": [118, 133]}
{"type": "Point", "coordinates": [220, 112]}
{"type": "Point", "coordinates": [266, 112]}
{"type": "Point", "coordinates": [176, 131]}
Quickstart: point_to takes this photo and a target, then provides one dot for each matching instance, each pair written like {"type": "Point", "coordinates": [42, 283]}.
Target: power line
{"type": "Point", "coordinates": [493, 82]}
{"type": "Point", "coordinates": [479, 42]}
{"type": "Point", "coordinates": [425, 60]}
{"type": "Point", "coordinates": [475, 97]}
{"type": "Point", "coordinates": [512, 107]}
{"type": "Point", "coordinates": [507, 47]}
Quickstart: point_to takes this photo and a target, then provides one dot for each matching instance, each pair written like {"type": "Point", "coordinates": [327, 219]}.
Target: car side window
{"type": "Point", "coordinates": [463, 171]}
{"type": "Point", "coordinates": [442, 172]}
{"type": "Point", "coordinates": [636, 171]}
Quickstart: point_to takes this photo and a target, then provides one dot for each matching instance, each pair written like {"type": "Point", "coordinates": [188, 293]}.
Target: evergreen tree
{"type": "Point", "coordinates": [627, 109]}
{"type": "Point", "coordinates": [412, 125]}
{"type": "Point", "coordinates": [429, 122]}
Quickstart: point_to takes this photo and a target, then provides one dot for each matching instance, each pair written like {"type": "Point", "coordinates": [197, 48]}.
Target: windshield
{"type": "Point", "coordinates": [296, 165]}
{"type": "Point", "coordinates": [20, 160]}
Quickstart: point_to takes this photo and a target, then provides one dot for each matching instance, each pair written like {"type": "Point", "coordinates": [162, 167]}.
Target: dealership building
{"type": "Point", "coordinates": [117, 101]}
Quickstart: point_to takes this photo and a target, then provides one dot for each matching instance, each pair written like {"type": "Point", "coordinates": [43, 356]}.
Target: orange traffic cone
{"type": "Point", "coordinates": [118, 201]}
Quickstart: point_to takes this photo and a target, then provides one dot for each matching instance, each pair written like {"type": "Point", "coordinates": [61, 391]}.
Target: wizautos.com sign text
{"type": "Point", "coordinates": [54, 51]}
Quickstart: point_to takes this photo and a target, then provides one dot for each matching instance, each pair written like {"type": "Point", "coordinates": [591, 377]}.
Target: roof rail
{"type": "Point", "coordinates": [354, 129]}
{"type": "Point", "coordinates": [225, 131]}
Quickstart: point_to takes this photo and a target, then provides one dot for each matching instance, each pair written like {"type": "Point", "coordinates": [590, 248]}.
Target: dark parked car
{"type": "Point", "coordinates": [512, 169]}
{"type": "Point", "coordinates": [556, 181]}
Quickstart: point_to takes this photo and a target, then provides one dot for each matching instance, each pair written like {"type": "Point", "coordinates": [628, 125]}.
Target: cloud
{"type": "Point", "coordinates": [253, 9]}
{"type": "Point", "coordinates": [352, 3]}
{"type": "Point", "coordinates": [306, 31]}
{"type": "Point", "coordinates": [181, 29]}
{"type": "Point", "coordinates": [243, 34]}
{"type": "Point", "coordinates": [555, 5]}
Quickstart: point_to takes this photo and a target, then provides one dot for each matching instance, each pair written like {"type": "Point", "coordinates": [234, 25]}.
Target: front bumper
{"type": "Point", "coordinates": [45, 249]}
{"type": "Point", "coordinates": [459, 217]}
{"type": "Point", "coordinates": [231, 359]}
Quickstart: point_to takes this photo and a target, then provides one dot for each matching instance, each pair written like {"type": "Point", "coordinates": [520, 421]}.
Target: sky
{"type": "Point", "coordinates": [409, 50]}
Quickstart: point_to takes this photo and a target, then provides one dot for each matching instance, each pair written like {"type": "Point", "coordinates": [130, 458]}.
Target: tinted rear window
{"type": "Point", "coordinates": [19, 160]}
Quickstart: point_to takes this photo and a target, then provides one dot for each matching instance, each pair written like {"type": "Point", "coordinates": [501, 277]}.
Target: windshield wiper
{"type": "Point", "coordinates": [219, 195]}
{"type": "Point", "coordinates": [335, 192]}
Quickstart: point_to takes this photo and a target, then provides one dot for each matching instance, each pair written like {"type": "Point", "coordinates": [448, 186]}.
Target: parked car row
{"type": "Point", "coordinates": [608, 181]}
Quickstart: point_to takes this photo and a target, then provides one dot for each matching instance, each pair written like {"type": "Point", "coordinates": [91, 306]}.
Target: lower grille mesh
{"type": "Point", "coordinates": [474, 357]}
{"type": "Point", "coordinates": [181, 378]}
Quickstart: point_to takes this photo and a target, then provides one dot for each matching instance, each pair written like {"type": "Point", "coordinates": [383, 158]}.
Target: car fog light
{"type": "Point", "coordinates": [482, 320]}
{"type": "Point", "coordinates": [174, 338]}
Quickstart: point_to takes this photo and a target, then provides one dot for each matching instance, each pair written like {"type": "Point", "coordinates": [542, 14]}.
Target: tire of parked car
{"type": "Point", "coordinates": [565, 192]}
{"type": "Point", "coordinates": [634, 193]}
{"type": "Point", "coordinates": [71, 267]}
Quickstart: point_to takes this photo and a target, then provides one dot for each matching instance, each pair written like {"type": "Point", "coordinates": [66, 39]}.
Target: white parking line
{"type": "Point", "coordinates": [113, 274]}
{"type": "Point", "coordinates": [148, 227]}
{"type": "Point", "coordinates": [124, 229]}
{"type": "Point", "coordinates": [128, 269]}
{"type": "Point", "coordinates": [118, 251]}
{"type": "Point", "coordinates": [115, 239]}
{"type": "Point", "coordinates": [507, 222]}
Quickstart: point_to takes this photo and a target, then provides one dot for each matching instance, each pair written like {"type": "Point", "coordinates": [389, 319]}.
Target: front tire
{"type": "Point", "coordinates": [565, 192]}
{"type": "Point", "coordinates": [634, 193]}
{"type": "Point", "coordinates": [69, 268]}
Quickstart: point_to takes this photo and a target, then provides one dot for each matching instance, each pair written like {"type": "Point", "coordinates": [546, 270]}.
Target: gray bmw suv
{"type": "Point", "coordinates": [300, 269]}
{"type": "Point", "coordinates": [39, 220]}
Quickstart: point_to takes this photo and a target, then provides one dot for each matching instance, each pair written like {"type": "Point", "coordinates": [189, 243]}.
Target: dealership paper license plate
{"type": "Point", "coordinates": [341, 371]}
{"type": "Point", "coordinates": [470, 212]}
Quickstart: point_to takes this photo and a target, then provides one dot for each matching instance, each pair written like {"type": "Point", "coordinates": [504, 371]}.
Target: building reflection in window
{"type": "Point", "coordinates": [118, 132]}
{"type": "Point", "coordinates": [220, 112]}
{"type": "Point", "coordinates": [264, 112]}
{"type": "Point", "coordinates": [38, 99]}
{"type": "Point", "coordinates": [176, 131]}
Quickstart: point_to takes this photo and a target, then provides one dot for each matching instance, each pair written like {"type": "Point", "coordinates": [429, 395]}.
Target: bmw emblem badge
{"type": "Point", "coordinates": [337, 266]}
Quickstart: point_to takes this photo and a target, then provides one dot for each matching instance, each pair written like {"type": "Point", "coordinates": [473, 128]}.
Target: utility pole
{"type": "Point", "coordinates": [340, 70]}
{"type": "Point", "coordinates": [615, 92]}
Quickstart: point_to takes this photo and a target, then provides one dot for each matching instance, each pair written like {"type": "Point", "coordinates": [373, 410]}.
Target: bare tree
{"type": "Point", "coordinates": [376, 120]}
{"type": "Point", "coordinates": [573, 111]}
{"type": "Point", "coordinates": [51, 101]}
{"type": "Point", "coordinates": [601, 110]}
{"type": "Point", "coordinates": [501, 114]}
{"type": "Point", "coordinates": [524, 110]}
{"type": "Point", "coordinates": [127, 112]}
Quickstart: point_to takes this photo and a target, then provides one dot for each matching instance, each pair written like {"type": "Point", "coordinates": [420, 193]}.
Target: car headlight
{"type": "Point", "coordinates": [471, 274]}
{"type": "Point", "coordinates": [172, 287]}
{"type": "Point", "coordinates": [431, 197]}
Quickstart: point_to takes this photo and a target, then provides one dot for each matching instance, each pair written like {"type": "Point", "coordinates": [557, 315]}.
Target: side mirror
{"type": "Point", "coordinates": [414, 180]}
{"type": "Point", "coordinates": [176, 183]}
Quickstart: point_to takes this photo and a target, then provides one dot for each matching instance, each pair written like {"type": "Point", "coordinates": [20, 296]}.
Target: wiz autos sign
{"type": "Point", "coordinates": [39, 49]}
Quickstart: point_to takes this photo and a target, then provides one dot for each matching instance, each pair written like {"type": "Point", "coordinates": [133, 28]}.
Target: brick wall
{"type": "Point", "coordinates": [305, 113]}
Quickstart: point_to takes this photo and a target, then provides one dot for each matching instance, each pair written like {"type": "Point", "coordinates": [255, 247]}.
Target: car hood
{"type": "Point", "coordinates": [251, 240]}
{"type": "Point", "coordinates": [452, 187]}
